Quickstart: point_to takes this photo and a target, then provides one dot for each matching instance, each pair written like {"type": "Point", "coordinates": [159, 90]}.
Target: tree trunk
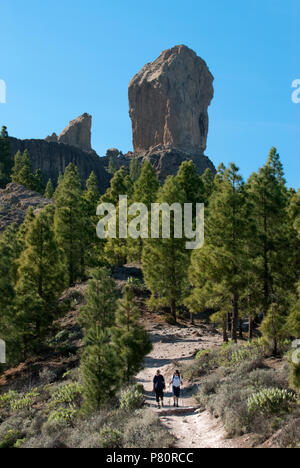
{"type": "Point", "coordinates": [250, 333]}
{"type": "Point", "coordinates": [225, 335]}
{"type": "Point", "coordinates": [235, 316]}
{"type": "Point", "coordinates": [173, 309]}
{"type": "Point", "coordinates": [275, 349]}
{"type": "Point", "coordinates": [228, 322]}
{"type": "Point", "coordinates": [241, 329]}
{"type": "Point", "coordinates": [192, 318]}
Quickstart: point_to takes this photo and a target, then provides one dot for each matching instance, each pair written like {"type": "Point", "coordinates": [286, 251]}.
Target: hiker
{"type": "Point", "coordinates": [158, 387]}
{"type": "Point", "coordinates": [176, 382]}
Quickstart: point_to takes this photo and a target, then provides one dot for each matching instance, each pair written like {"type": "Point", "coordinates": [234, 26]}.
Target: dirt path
{"type": "Point", "coordinates": [172, 345]}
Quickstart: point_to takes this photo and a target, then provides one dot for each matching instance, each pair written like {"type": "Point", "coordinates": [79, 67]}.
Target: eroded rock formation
{"type": "Point", "coordinates": [168, 102]}
{"type": "Point", "coordinates": [77, 133]}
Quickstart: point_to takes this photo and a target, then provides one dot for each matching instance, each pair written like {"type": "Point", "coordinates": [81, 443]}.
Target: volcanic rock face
{"type": "Point", "coordinates": [52, 158]}
{"type": "Point", "coordinates": [168, 102]}
{"type": "Point", "coordinates": [77, 133]}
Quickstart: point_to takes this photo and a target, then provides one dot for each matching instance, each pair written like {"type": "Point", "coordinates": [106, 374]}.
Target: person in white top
{"type": "Point", "coordinates": [176, 382]}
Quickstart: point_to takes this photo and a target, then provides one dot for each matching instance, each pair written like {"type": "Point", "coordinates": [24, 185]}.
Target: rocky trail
{"type": "Point", "coordinates": [173, 345]}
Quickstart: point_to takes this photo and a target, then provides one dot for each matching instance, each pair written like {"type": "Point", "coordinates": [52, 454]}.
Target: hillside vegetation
{"type": "Point", "coordinates": [74, 331]}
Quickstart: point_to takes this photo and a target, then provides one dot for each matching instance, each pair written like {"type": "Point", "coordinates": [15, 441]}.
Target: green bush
{"type": "Point", "coordinates": [9, 439]}
{"type": "Point", "coordinates": [63, 415]}
{"type": "Point", "coordinates": [69, 394]}
{"type": "Point", "coordinates": [270, 400]}
{"type": "Point", "coordinates": [132, 398]}
{"type": "Point", "coordinates": [201, 353]}
{"type": "Point", "coordinates": [136, 285]}
{"type": "Point", "coordinates": [110, 438]}
{"type": "Point", "coordinates": [295, 376]}
{"type": "Point", "coordinates": [7, 398]}
{"type": "Point", "coordinates": [24, 402]}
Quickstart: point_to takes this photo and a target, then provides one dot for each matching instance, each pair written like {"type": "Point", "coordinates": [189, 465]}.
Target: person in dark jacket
{"type": "Point", "coordinates": [158, 387]}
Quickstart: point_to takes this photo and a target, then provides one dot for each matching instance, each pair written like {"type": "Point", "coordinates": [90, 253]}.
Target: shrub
{"type": "Point", "coordinates": [132, 398]}
{"type": "Point", "coordinates": [136, 285]}
{"type": "Point", "coordinates": [66, 415]}
{"type": "Point", "coordinates": [69, 394]}
{"type": "Point", "coordinates": [110, 438]}
{"type": "Point", "coordinates": [7, 398]}
{"type": "Point", "coordinates": [144, 430]}
{"type": "Point", "coordinates": [201, 353]}
{"type": "Point", "coordinates": [294, 377]}
{"type": "Point", "coordinates": [9, 439]}
{"type": "Point", "coordinates": [24, 402]}
{"type": "Point", "coordinates": [270, 400]}
{"type": "Point", "coordinates": [263, 378]}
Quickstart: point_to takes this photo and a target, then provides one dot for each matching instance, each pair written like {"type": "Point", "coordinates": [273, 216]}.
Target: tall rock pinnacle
{"type": "Point", "coordinates": [77, 133]}
{"type": "Point", "coordinates": [168, 102]}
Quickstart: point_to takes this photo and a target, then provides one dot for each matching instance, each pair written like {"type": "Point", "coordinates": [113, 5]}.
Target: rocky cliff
{"type": "Point", "coordinates": [168, 101]}
{"type": "Point", "coordinates": [52, 158]}
{"type": "Point", "coordinates": [77, 134]}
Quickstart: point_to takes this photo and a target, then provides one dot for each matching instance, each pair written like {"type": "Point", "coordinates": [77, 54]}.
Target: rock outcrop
{"type": "Point", "coordinates": [167, 162]}
{"type": "Point", "coordinates": [77, 133]}
{"type": "Point", "coordinates": [14, 203]}
{"type": "Point", "coordinates": [52, 158]}
{"type": "Point", "coordinates": [168, 102]}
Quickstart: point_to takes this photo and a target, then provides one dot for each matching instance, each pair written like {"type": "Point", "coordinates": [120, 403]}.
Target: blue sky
{"type": "Point", "coordinates": [62, 58]}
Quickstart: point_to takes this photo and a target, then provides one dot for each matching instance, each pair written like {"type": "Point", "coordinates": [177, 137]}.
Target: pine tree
{"type": "Point", "coordinates": [145, 191]}
{"type": "Point", "coordinates": [116, 249]}
{"type": "Point", "coordinates": [293, 321]}
{"type": "Point", "coordinates": [134, 169]}
{"type": "Point", "coordinates": [38, 182]}
{"type": "Point", "coordinates": [207, 179]}
{"type": "Point", "coordinates": [101, 369]}
{"type": "Point", "coordinates": [120, 184]}
{"type": "Point", "coordinates": [224, 257]}
{"type": "Point", "coordinates": [20, 243]}
{"type": "Point", "coordinates": [7, 293]}
{"type": "Point", "coordinates": [269, 199]}
{"type": "Point", "coordinates": [294, 216]}
{"type": "Point", "coordinates": [273, 327]}
{"type": "Point", "coordinates": [41, 278]}
{"type": "Point", "coordinates": [129, 337]}
{"type": "Point", "coordinates": [69, 222]}
{"type": "Point", "coordinates": [93, 247]}
{"type": "Point", "coordinates": [59, 184]}
{"type": "Point", "coordinates": [6, 160]}
{"type": "Point", "coordinates": [165, 261]}
{"type": "Point", "coordinates": [190, 182]}
{"type": "Point", "coordinates": [49, 192]}
{"type": "Point", "coordinates": [112, 167]}
{"type": "Point", "coordinates": [22, 172]}
{"type": "Point", "coordinates": [101, 301]}
{"type": "Point", "coordinates": [92, 194]}
{"type": "Point", "coordinates": [207, 294]}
